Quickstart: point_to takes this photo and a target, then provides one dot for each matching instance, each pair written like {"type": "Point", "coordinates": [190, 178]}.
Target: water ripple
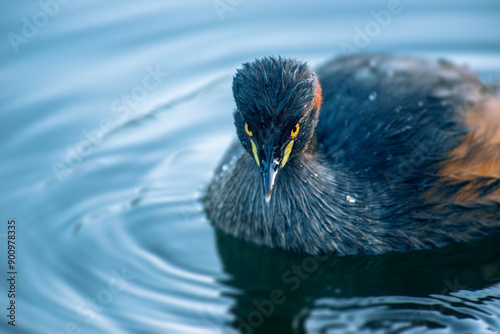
{"type": "Point", "coordinates": [398, 314]}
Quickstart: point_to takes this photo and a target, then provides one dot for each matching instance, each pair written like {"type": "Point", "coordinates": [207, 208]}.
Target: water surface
{"type": "Point", "coordinates": [114, 117]}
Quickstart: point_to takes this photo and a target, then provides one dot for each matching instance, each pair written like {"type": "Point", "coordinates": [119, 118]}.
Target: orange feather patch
{"type": "Point", "coordinates": [475, 163]}
{"type": "Point", "coordinates": [318, 98]}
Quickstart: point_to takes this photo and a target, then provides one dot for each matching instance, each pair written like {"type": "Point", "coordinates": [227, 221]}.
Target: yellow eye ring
{"type": "Point", "coordinates": [295, 131]}
{"type": "Point", "coordinates": [248, 131]}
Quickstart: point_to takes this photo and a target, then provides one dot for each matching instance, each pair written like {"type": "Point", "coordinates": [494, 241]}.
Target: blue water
{"type": "Point", "coordinates": [113, 117]}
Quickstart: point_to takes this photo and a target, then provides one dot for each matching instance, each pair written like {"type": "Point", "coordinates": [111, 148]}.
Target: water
{"type": "Point", "coordinates": [114, 117]}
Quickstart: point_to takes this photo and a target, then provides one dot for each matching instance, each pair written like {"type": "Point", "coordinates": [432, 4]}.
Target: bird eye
{"type": "Point", "coordinates": [248, 131]}
{"type": "Point", "coordinates": [295, 131]}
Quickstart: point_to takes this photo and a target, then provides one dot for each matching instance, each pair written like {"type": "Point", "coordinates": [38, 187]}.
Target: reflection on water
{"type": "Point", "coordinates": [389, 292]}
{"type": "Point", "coordinates": [116, 114]}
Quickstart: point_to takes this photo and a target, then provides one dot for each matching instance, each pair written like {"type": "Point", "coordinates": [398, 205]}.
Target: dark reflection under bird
{"type": "Point", "coordinates": [375, 153]}
{"type": "Point", "coordinates": [277, 291]}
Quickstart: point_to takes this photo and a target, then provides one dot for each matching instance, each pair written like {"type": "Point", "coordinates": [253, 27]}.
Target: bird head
{"type": "Point", "coordinates": [277, 111]}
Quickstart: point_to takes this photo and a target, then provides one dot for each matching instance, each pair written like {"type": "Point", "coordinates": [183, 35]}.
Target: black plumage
{"type": "Point", "coordinates": [363, 173]}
